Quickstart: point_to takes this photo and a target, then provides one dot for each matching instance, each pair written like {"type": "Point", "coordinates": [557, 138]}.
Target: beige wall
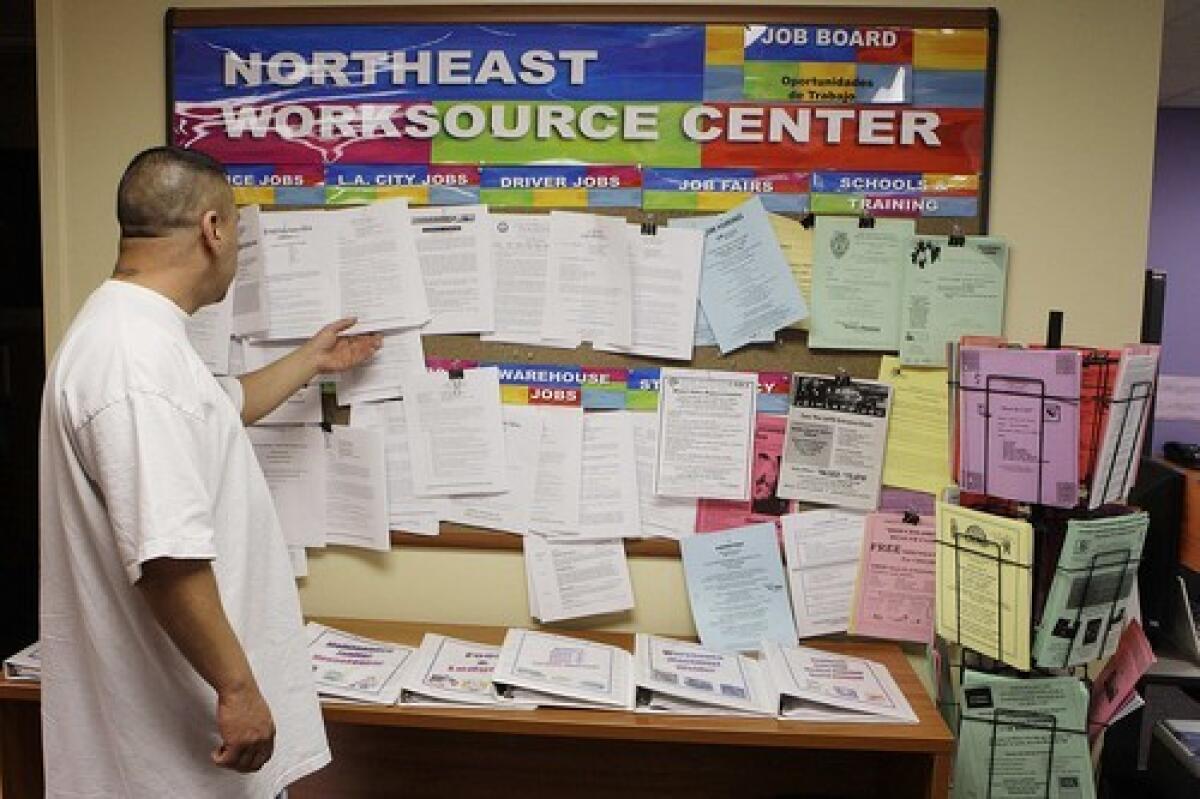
{"type": "Point", "coordinates": [1073, 151]}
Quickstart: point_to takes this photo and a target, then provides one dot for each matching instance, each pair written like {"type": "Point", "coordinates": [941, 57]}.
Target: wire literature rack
{"type": "Point", "coordinates": [1112, 419]}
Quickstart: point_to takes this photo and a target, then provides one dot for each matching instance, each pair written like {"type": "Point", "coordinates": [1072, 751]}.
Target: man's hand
{"type": "Point", "coordinates": [329, 352]}
{"type": "Point", "coordinates": [183, 596]}
{"type": "Point", "coordinates": [265, 389]}
{"type": "Point", "coordinates": [247, 731]}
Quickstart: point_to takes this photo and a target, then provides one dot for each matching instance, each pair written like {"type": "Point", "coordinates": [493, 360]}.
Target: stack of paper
{"type": "Point", "coordinates": [815, 685]}
{"type": "Point", "coordinates": [1019, 424]}
{"type": "Point", "coordinates": [1120, 447]}
{"type": "Point", "coordinates": [688, 679]}
{"type": "Point", "coordinates": [1023, 738]}
{"type": "Point", "coordinates": [1114, 693]}
{"type": "Point", "coordinates": [25, 665]}
{"type": "Point", "coordinates": [328, 488]}
{"type": "Point", "coordinates": [354, 668]}
{"type": "Point", "coordinates": [450, 671]}
{"type": "Point", "coordinates": [556, 671]}
{"type": "Point", "coordinates": [822, 548]}
{"type": "Point", "coordinates": [1090, 595]}
{"type": "Point", "coordinates": [573, 579]}
{"type": "Point", "coordinates": [325, 265]}
{"type": "Point", "coordinates": [984, 589]}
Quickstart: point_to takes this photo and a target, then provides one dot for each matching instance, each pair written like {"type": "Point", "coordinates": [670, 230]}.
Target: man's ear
{"type": "Point", "coordinates": [210, 231]}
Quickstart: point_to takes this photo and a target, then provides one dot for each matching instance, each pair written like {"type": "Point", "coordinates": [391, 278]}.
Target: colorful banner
{"type": "Point", "coordinates": [561, 186]}
{"type": "Point", "coordinates": [717, 190]}
{"type": "Point", "coordinates": [540, 384]}
{"type": "Point", "coordinates": [537, 114]}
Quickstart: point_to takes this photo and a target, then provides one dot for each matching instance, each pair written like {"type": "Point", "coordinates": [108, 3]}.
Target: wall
{"type": "Point", "coordinates": [1175, 249]}
{"type": "Point", "coordinates": [1074, 136]}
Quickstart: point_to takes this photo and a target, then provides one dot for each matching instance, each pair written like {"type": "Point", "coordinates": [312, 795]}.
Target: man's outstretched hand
{"type": "Point", "coordinates": [330, 352]}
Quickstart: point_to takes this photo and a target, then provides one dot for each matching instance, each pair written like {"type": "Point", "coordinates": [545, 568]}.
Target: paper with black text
{"type": "Point", "coordinates": [737, 588]}
{"type": "Point", "coordinates": [382, 376]}
{"type": "Point", "coordinates": [834, 444]}
{"type": "Point", "coordinates": [555, 670]}
{"type": "Point", "coordinates": [555, 510]}
{"type": "Point", "coordinates": [508, 511]}
{"type": "Point", "coordinates": [520, 251]}
{"type": "Point", "coordinates": [456, 263]}
{"type": "Point", "coordinates": [300, 276]}
{"type": "Point", "coordinates": [249, 285]}
{"type": "Point", "coordinates": [608, 500]}
{"type": "Point", "coordinates": [573, 579]}
{"type": "Point", "coordinates": [669, 517]}
{"type": "Point", "coordinates": [666, 283]}
{"type": "Point", "coordinates": [822, 550]}
{"type": "Point", "coordinates": [456, 432]}
{"type": "Point", "coordinates": [746, 286]}
{"type": "Point", "coordinates": [356, 509]}
{"type": "Point", "coordinates": [406, 511]}
{"type": "Point", "coordinates": [303, 407]}
{"type": "Point", "coordinates": [705, 434]}
{"type": "Point", "coordinates": [690, 679]}
{"type": "Point", "coordinates": [378, 271]}
{"type": "Point", "coordinates": [293, 461]}
{"type": "Point", "coordinates": [589, 285]}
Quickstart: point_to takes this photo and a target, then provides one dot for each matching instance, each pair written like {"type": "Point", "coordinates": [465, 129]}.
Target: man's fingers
{"type": "Point", "coordinates": [226, 756]}
{"type": "Point", "coordinates": [262, 756]}
{"type": "Point", "coordinates": [341, 324]}
{"type": "Point", "coordinates": [248, 758]}
{"type": "Point", "coordinates": [244, 758]}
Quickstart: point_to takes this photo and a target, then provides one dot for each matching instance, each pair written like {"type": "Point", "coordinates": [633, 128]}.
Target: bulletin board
{"type": "Point", "coordinates": [648, 112]}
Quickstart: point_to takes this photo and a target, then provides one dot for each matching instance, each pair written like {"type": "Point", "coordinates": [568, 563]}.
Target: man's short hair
{"type": "Point", "coordinates": [168, 188]}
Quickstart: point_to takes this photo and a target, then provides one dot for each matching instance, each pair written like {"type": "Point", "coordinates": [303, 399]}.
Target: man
{"type": "Point", "coordinates": [175, 663]}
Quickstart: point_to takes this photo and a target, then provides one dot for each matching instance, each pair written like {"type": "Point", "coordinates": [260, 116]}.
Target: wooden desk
{"type": "Point", "coordinates": [425, 752]}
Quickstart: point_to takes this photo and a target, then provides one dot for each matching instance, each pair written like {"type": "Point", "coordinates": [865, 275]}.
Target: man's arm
{"type": "Point", "coordinates": [183, 596]}
{"type": "Point", "coordinates": [266, 388]}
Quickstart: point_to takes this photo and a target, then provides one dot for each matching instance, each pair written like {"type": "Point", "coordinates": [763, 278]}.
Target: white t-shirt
{"type": "Point", "coordinates": [143, 455]}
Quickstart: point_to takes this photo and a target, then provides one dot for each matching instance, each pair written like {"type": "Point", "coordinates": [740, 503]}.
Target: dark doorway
{"type": "Point", "coordinates": [22, 361]}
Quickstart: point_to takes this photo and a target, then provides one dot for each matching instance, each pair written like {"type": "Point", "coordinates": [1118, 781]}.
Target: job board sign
{"type": "Point", "coordinates": [859, 118]}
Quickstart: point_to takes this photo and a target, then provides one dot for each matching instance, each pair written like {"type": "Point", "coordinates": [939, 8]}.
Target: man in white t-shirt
{"type": "Point", "coordinates": [174, 658]}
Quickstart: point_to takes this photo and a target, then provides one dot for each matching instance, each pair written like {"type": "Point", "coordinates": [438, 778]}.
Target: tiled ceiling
{"type": "Point", "coordinates": [1179, 82]}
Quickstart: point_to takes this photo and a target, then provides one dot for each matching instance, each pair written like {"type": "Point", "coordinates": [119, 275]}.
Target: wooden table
{"type": "Point", "coordinates": [430, 752]}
